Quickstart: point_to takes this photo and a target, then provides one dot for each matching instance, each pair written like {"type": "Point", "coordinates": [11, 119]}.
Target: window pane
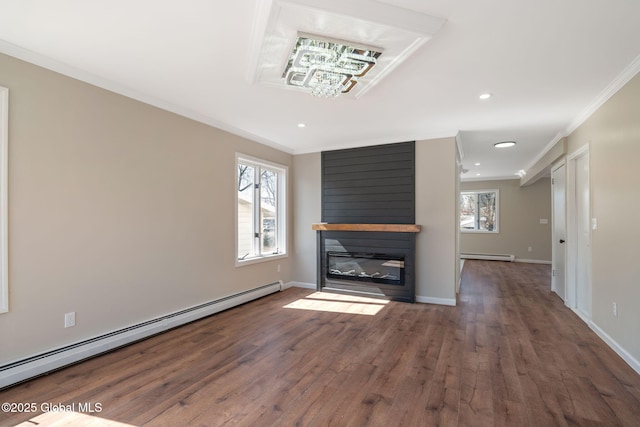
{"type": "Point", "coordinates": [487, 211]}
{"type": "Point", "coordinates": [260, 224]}
{"type": "Point", "coordinates": [246, 202]}
{"type": "Point", "coordinates": [268, 211]}
{"type": "Point", "coordinates": [468, 211]}
{"type": "Point", "coordinates": [479, 211]}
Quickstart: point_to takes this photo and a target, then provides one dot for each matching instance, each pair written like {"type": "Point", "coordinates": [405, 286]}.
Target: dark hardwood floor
{"type": "Point", "coordinates": [510, 354]}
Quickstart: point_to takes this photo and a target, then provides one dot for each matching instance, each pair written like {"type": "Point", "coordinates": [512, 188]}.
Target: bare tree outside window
{"type": "Point", "coordinates": [246, 207]}
{"type": "Point", "coordinates": [479, 211]}
{"type": "Point", "coordinates": [268, 186]}
{"type": "Point", "coordinates": [245, 177]}
{"type": "Point", "coordinates": [259, 210]}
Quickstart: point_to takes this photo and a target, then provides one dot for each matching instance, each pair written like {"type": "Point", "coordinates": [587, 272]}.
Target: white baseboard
{"type": "Point", "coordinates": [631, 361]}
{"type": "Point", "coordinates": [582, 317]}
{"type": "Point", "coordinates": [299, 285]}
{"type": "Point", "coordinates": [439, 301]}
{"type": "Point", "coordinates": [533, 261]}
{"type": "Point", "coordinates": [41, 363]}
{"type": "Point", "coordinates": [488, 257]}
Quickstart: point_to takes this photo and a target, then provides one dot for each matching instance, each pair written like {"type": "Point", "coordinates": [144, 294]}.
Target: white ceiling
{"type": "Point", "coordinates": [548, 63]}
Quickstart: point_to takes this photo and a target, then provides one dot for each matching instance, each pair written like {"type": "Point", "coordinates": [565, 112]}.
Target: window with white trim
{"type": "Point", "coordinates": [479, 211]}
{"type": "Point", "coordinates": [260, 209]}
{"type": "Point", "coordinates": [4, 142]}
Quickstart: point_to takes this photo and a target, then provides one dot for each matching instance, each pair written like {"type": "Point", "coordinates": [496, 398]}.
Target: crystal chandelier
{"type": "Point", "coordinates": [327, 67]}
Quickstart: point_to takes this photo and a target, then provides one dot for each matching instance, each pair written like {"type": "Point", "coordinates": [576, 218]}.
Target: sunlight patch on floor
{"type": "Point", "coordinates": [69, 418]}
{"type": "Point", "coordinates": [339, 303]}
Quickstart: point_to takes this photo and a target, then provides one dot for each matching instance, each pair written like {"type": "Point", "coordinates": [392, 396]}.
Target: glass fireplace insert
{"type": "Point", "coordinates": [366, 267]}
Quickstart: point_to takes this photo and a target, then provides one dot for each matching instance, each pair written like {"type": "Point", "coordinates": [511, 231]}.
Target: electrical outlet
{"type": "Point", "coordinates": [530, 249]}
{"type": "Point", "coordinates": [615, 309]}
{"type": "Point", "coordinates": [278, 268]}
{"type": "Point", "coordinates": [70, 319]}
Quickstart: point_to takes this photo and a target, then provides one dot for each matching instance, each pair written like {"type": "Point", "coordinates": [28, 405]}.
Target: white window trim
{"type": "Point", "coordinates": [4, 176]}
{"type": "Point", "coordinates": [282, 211]}
{"type": "Point", "coordinates": [497, 229]}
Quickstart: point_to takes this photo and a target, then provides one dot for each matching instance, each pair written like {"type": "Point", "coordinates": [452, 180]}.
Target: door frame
{"type": "Point", "coordinates": [554, 238]}
{"type": "Point", "coordinates": [572, 233]}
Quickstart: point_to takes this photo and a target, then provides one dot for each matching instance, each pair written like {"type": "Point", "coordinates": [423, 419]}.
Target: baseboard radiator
{"type": "Point", "coordinates": [490, 257]}
{"type": "Point", "coordinates": [39, 364]}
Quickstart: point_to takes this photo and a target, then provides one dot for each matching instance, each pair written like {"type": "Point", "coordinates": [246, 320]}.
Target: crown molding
{"type": "Point", "coordinates": [545, 150]}
{"type": "Point", "coordinates": [622, 79]}
{"type": "Point", "coordinates": [612, 88]}
{"type": "Point", "coordinates": [67, 70]}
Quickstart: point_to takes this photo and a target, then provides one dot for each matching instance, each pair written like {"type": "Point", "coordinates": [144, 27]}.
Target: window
{"type": "Point", "coordinates": [4, 123]}
{"type": "Point", "coordinates": [260, 204]}
{"type": "Point", "coordinates": [479, 211]}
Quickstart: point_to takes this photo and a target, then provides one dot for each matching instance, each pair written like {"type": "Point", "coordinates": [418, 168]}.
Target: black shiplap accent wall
{"type": "Point", "coordinates": [369, 185]}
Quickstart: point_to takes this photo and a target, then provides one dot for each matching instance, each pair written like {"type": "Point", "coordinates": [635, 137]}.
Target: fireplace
{"type": "Point", "coordinates": [366, 267]}
{"type": "Point", "coordinates": [366, 240]}
{"type": "Point", "coordinates": [376, 260]}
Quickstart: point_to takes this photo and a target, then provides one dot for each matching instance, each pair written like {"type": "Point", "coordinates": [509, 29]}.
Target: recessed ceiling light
{"type": "Point", "coordinates": [504, 144]}
{"type": "Point", "coordinates": [477, 174]}
{"type": "Point", "coordinates": [302, 125]}
{"type": "Point", "coordinates": [485, 96]}
{"type": "Point", "coordinates": [477, 164]}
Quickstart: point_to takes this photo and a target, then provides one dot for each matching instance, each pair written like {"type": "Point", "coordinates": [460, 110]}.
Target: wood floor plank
{"type": "Point", "coordinates": [509, 354]}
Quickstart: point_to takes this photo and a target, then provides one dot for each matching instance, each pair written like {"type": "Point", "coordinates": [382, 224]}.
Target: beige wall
{"type": "Point", "coordinates": [436, 202]}
{"type": "Point", "coordinates": [520, 212]}
{"type": "Point", "coordinates": [307, 183]}
{"type": "Point", "coordinates": [435, 211]}
{"type": "Point", "coordinates": [118, 211]}
{"type": "Point", "coordinates": [613, 136]}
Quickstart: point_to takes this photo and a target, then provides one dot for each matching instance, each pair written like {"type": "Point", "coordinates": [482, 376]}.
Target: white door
{"type": "Point", "coordinates": [578, 261]}
{"type": "Point", "coordinates": [583, 237]}
{"type": "Point", "coordinates": [558, 234]}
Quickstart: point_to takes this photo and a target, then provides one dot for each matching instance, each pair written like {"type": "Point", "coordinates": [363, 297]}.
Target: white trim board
{"type": "Point", "coordinates": [438, 301]}
{"type": "Point", "coordinates": [488, 257]}
{"type": "Point", "coordinates": [545, 150]}
{"type": "Point", "coordinates": [612, 88]}
{"type": "Point", "coordinates": [94, 80]}
{"type": "Point", "coordinates": [299, 285]}
{"type": "Point", "coordinates": [624, 354]}
{"type": "Point", "coordinates": [42, 363]}
{"type": "Point", "coordinates": [4, 176]}
{"type": "Point", "coordinates": [622, 79]}
{"type": "Point", "coordinates": [532, 261]}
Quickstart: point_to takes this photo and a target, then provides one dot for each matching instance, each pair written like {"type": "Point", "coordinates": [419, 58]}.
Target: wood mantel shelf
{"type": "Point", "coordinates": [389, 228]}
